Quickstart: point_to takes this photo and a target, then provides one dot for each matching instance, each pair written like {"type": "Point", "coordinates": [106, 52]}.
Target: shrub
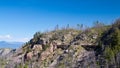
{"type": "Point", "coordinates": [109, 54]}
{"type": "Point", "coordinates": [38, 35]}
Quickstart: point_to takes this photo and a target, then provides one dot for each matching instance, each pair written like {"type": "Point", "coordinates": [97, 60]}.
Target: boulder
{"type": "Point", "coordinates": [37, 47]}
{"type": "Point", "coordinates": [29, 55]}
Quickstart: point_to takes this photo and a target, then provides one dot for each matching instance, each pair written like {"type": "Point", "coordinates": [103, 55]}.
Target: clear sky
{"type": "Point", "coordinates": [20, 19]}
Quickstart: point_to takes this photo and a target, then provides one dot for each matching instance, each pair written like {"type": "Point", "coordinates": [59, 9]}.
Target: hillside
{"type": "Point", "coordinates": [95, 47]}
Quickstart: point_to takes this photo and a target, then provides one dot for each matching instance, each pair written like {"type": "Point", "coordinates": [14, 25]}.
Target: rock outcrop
{"type": "Point", "coordinates": [71, 48]}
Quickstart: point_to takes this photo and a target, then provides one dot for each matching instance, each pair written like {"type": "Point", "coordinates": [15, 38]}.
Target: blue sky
{"type": "Point", "coordinates": [20, 19]}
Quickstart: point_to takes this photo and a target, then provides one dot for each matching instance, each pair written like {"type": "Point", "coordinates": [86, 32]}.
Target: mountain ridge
{"type": "Point", "coordinates": [96, 47]}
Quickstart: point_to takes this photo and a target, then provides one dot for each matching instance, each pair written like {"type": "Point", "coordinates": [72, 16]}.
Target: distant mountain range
{"type": "Point", "coordinates": [13, 45]}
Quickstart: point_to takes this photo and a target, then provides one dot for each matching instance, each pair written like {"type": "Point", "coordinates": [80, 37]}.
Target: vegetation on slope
{"type": "Point", "coordinates": [72, 47]}
{"type": "Point", "coordinates": [110, 44]}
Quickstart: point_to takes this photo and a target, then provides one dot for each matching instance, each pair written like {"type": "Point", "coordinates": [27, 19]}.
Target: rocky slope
{"type": "Point", "coordinates": [5, 54]}
{"type": "Point", "coordinates": [96, 47]}
{"type": "Point", "coordinates": [6, 51]}
{"type": "Point", "coordinates": [109, 52]}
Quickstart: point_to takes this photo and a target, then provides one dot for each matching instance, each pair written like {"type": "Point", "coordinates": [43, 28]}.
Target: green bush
{"type": "Point", "coordinates": [115, 37]}
{"type": "Point", "coordinates": [109, 54]}
{"type": "Point", "coordinates": [37, 35]}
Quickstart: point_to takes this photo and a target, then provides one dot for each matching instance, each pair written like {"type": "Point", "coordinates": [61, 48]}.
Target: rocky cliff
{"type": "Point", "coordinates": [5, 55]}
{"type": "Point", "coordinates": [96, 47]}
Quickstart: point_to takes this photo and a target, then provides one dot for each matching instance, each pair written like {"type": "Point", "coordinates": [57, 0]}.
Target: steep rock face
{"type": "Point", "coordinates": [5, 56]}
{"type": "Point", "coordinates": [62, 51]}
{"type": "Point", "coordinates": [4, 52]}
{"type": "Point", "coordinates": [69, 49]}
{"type": "Point", "coordinates": [87, 60]}
{"type": "Point", "coordinates": [56, 49]}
